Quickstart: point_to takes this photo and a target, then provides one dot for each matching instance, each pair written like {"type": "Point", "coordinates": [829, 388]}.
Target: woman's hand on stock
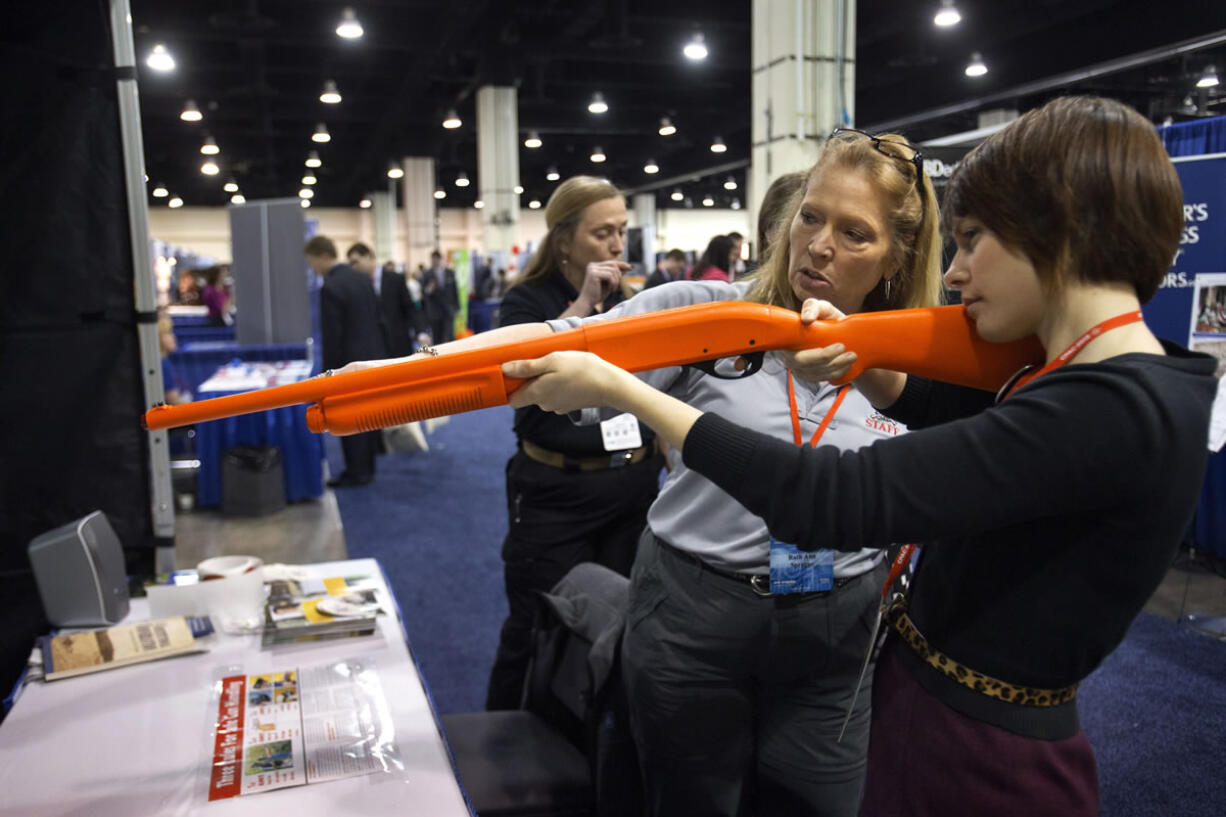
{"type": "Point", "coordinates": [822, 363]}
{"type": "Point", "coordinates": [562, 382]}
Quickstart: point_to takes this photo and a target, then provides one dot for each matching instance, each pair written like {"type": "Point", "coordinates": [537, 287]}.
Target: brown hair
{"type": "Point", "coordinates": [320, 246]}
{"type": "Point", "coordinates": [562, 215]}
{"type": "Point", "coordinates": [1082, 187]}
{"type": "Point", "coordinates": [776, 206]}
{"type": "Point", "coordinates": [915, 236]}
{"type": "Point", "coordinates": [361, 249]}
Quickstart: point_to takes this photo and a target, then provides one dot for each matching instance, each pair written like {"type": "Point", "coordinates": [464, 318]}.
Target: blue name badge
{"type": "Point", "coordinates": [800, 571]}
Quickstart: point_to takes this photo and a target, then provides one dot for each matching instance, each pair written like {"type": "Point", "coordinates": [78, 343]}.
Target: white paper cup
{"type": "Point", "coordinates": [234, 592]}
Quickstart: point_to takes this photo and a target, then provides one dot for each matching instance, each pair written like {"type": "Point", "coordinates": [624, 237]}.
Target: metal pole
{"type": "Point", "coordinates": [142, 270]}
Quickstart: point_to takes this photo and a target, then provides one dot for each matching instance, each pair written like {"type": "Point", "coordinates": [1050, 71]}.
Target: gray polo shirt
{"type": "Point", "coordinates": [691, 513]}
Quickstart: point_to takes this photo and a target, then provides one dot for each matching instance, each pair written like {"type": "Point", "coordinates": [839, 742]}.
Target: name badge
{"type": "Point", "coordinates": [800, 571]}
{"type": "Point", "coordinates": [621, 432]}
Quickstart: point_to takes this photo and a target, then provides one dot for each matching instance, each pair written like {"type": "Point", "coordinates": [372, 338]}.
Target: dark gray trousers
{"type": "Point", "coordinates": [736, 700]}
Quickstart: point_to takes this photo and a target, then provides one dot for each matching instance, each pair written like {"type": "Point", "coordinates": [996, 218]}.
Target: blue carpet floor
{"type": "Point", "coordinates": [1155, 711]}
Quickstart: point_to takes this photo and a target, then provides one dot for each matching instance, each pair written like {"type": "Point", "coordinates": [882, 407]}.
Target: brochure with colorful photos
{"type": "Point", "coordinates": [299, 726]}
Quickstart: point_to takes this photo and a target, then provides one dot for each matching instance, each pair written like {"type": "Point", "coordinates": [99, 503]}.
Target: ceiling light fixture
{"type": "Point", "coordinates": [306, 193]}
{"type": "Point", "coordinates": [707, 201]}
{"type": "Point", "coordinates": [478, 204]}
{"type": "Point", "coordinates": [736, 204]}
{"type": "Point", "coordinates": [440, 194]}
{"type": "Point", "coordinates": [976, 67]}
{"type": "Point", "coordinates": [160, 192]}
{"type": "Point", "coordinates": [730, 183]}
{"type": "Point", "coordinates": [395, 171]}
{"type": "Point", "coordinates": [518, 189]}
{"type": "Point", "coordinates": [533, 140]}
{"type": "Point", "coordinates": [238, 198]}
{"type": "Point", "coordinates": [331, 95]}
{"type": "Point", "coordinates": [210, 168]}
{"type": "Point", "coordinates": [349, 28]}
{"type": "Point", "coordinates": [230, 186]}
{"type": "Point", "coordinates": [313, 159]}
{"type": "Point", "coordinates": [667, 128]}
{"type": "Point", "coordinates": [947, 15]}
{"type": "Point", "coordinates": [452, 120]}
{"type": "Point", "coordinates": [651, 166]}
{"type": "Point", "coordinates": [677, 195]}
{"type": "Point", "coordinates": [462, 179]}
{"type": "Point", "coordinates": [598, 105]}
{"type": "Point", "coordinates": [1207, 79]}
{"type": "Point", "coordinates": [209, 148]}
{"type": "Point", "coordinates": [159, 59]}
{"type": "Point", "coordinates": [598, 155]}
{"type": "Point", "coordinates": [534, 205]}
{"type": "Point", "coordinates": [696, 48]}
{"type": "Point", "coordinates": [309, 179]}
{"type": "Point", "coordinates": [321, 134]}
{"type": "Point", "coordinates": [190, 112]}
{"type": "Point", "coordinates": [365, 204]}
{"type": "Point", "coordinates": [718, 146]}
{"type": "Point", "coordinates": [304, 203]}
{"type": "Point", "coordinates": [552, 174]}
{"type": "Point", "coordinates": [174, 203]}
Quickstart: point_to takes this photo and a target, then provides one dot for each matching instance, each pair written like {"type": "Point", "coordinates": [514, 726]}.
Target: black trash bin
{"type": "Point", "coordinates": [252, 481]}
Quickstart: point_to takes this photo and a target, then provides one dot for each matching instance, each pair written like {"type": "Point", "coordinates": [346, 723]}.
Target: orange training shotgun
{"type": "Point", "coordinates": [936, 342]}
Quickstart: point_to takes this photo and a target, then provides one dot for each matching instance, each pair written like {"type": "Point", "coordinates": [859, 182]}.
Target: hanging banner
{"type": "Point", "coordinates": [1202, 248]}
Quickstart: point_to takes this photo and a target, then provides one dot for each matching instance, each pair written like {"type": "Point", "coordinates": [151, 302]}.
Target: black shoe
{"type": "Point", "coordinates": [346, 480]}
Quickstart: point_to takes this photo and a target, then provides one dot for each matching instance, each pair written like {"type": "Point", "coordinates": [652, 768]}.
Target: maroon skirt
{"type": "Point", "coordinates": [925, 758]}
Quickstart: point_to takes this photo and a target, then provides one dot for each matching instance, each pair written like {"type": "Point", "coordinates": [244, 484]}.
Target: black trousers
{"type": "Point", "coordinates": [557, 519]}
{"type": "Point", "coordinates": [359, 451]}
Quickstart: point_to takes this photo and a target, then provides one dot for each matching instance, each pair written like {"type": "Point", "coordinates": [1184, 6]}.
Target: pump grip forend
{"type": "Point", "coordinates": [936, 342]}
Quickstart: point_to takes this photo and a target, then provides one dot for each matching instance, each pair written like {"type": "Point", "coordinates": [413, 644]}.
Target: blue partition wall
{"type": "Point", "coordinates": [1195, 138]}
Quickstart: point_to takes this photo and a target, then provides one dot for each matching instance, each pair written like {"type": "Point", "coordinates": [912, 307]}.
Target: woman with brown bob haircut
{"type": "Point", "coordinates": [1047, 514]}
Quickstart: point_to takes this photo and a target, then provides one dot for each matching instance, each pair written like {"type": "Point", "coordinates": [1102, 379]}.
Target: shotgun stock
{"type": "Point", "coordinates": [936, 342]}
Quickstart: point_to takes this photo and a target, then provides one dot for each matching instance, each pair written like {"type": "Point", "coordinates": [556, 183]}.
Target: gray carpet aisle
{"type": "Point", "coordinates": [1155, 711]}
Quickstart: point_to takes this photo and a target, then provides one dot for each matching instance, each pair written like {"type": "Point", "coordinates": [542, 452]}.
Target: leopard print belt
{"type": "Point", "coordinates": [896, 614]}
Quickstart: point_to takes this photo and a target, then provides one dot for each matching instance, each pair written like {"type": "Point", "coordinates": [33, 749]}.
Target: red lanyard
{"type": "Point", "coordinates": [1076, 346]}
{"type": "Point", "coordinates": [821, 429]}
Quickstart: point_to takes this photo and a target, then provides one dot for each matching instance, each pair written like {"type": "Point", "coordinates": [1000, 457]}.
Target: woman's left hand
{"type": "Point", "coordinates": [823, 363]}
{"type": "Point", "coordinates": [562, 382]}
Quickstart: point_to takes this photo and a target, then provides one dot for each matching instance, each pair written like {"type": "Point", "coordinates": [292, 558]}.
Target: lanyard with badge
{"type": "Point", "coordinates": [794, 570]}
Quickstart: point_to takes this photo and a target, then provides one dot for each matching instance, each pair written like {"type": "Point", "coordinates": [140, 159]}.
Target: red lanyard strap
{"type": "Point", "coordinates": [1076, 346]}
{"type": "Point", "coordinates": [821, 429]}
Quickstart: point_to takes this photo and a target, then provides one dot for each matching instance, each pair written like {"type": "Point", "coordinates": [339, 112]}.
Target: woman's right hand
{"type": "Point", "coordinates": [823, 363]}
{"type": "Point", "coordinates": [600, 280]}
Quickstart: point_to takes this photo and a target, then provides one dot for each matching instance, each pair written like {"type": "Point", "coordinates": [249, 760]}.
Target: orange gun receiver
{"type": "Point", "coordinates": [936, 342]}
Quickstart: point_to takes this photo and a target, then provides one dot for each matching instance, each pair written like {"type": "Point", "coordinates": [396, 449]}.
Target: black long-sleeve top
{"type": "Point", "coordinates": [1047, 520]}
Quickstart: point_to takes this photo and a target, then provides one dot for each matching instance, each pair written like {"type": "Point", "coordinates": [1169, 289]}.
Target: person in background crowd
{"type": "Point", "coordinates": [670, 268]}
{"type": "Point", "coordinates": [188, 293]}
{"type": "Point", "coordinates": [174, 387]}
{"type": "Point", "coordinates": [715, 262]}
{"type": "Point", "coordinates": [214, 297]}
{"type": "Point", "coordinates": [350, 329]}
{"type": "Point", "coordinates": [402, 321]}
{"type": "Point", "coordinates": [776, 207]}
{"type": "Point", "coordinates": [1048, 513]}
{"type": "Point", "coordinates": [442, 298]}
{"type": "Point", "coordinates": [736, 267]}
{"type": "Point", "coordinates": [501, 284]}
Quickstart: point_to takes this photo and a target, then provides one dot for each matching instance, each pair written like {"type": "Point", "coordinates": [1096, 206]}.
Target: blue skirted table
{"type": "Point", "coordinates": [301, 451]}
{"type": "Point", "coordinates": [1211, 512]}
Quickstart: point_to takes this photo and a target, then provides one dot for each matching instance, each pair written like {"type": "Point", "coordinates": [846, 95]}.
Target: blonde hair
{"type": "Point", "coordinates": [562, 215]}
{"type": "Point", "coordinates": [915, 237]}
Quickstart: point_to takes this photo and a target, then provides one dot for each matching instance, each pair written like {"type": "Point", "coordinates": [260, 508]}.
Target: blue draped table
{"type": "Point", "coordinates": [301, 451]}
{"type": "Point", "coordinates": [1210, 513]}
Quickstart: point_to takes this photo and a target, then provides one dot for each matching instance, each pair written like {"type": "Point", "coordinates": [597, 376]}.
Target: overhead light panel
{"type": "Point", "coordinates": [321, 134]}
{"type": "Point", "coordinates": [395, 171]}
{"type": "Point", "coordinates": [667, 128]}
{"type": "Point", "coordinates": [210, 168]}
{"type": "Point", "coordinates": [309, 179]}
{"type": "Point", "coordinates": [304, 203]}
{"type": "Point", "coordinates": [174, 203]}
{"type": "Point", "coordinates": [976, 67]}
{"type": "Point", "coordinates": [238, 198]}
{"type": "Point", "coordinates": [552, 174]}
{"type": "Point", "coordinates": [677, 195]}
{"type": "Point", "coordinates": [1207, 79]}
{"type": "Point", "coordinates": [707, 201]}
{"type": "Point", "coordinates": [209, 148]}
{"type": "Point", "coordinates": [696, 48]}
{"type": "Point", "coordinates": [349, 28]}
{"type": "Point", "coordinates": [190, 112]}
{"type": "Point", "coordinates": [306, 193]}
{"type": "Point", "coordinates": [313, 159]}
{"type": "Point", "coordinates": [533, 140]}
{"type": "Point", "coordinates": [518, 189]}
{"type": "Point", "coordinates": [651, 166]}
{"type": "Point", "coordinates": [730, 183]}
{"type": "Point", "coordinates": [598, 105]}
{"type": "Point", "coordinates": [718, 146]}
{"type": "Point", "coordinates": [534, 205]}
{"type": "Point", "coordinates": [160, 192]}
{"type": "Point", "coordinates": [736, 204]}
{"type": "Point", "coordinates": [947, 15]}
{"type": "Point", "coordinates": [159, 59]}
{"type": "Point", "coordinates": [330, 95]}
{"type": "Point", "coordinates": [230, 186]}
{"type": "Point", "coordinates": [598, 155]}
{"type": "Point", "coordinates": [440, 193]}
{"type": "Point", "coordinates": [478, 204]}
{"type": "Point", "coordinates": [452, 120]}
{"type": "Point", "coordinates": [462, 179]}
{"type": "Point", "coordinates": [365, 204]}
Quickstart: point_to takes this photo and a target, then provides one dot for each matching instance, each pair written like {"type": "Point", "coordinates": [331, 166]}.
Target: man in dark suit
{"type": "Point", "coordinates": [403, 322]}
{"type": "Point", "coordinates": [442, 298]}
{"type": "Point", "coordinates": [671, 268]}
{"type": "Point", "coordinates": [350, 325]}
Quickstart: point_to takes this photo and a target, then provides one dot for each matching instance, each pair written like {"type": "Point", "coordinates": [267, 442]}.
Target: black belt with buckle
{"type": "Point", "coordinates": [759, 583]}
{"type": "Point", "coordinates": [615, 459]}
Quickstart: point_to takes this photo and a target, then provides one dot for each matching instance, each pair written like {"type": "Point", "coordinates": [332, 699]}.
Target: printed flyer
{"type": "Point", "coordinates": [298, 726]}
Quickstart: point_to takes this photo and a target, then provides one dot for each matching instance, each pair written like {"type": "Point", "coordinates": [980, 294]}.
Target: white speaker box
{"type": "Point", "coordinates": [80, 572]}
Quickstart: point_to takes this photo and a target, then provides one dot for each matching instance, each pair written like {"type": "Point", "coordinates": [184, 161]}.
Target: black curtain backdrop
{"type": "Point", "coordinates": [70, 388]}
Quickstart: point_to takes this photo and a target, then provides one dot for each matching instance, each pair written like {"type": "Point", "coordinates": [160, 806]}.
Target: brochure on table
{"type": "Point", "coordinates": [296, 726]}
